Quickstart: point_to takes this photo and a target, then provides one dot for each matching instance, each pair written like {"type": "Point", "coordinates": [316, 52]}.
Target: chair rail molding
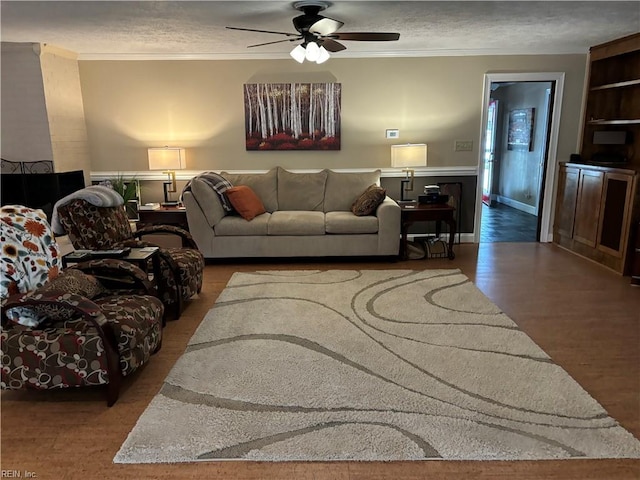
{"type": "Point", "coordinates": [454, 171]}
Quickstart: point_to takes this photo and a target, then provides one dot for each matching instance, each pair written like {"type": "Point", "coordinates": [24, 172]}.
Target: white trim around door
{"type": "Point", "coordinates": [546, 224]}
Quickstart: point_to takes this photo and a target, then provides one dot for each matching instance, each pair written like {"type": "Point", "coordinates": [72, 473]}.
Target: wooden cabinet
{"type": "Point", "coordinates": [594, 212]}
{"type": "Point", "coordinates": [597, 201]}
{"type": "Point", "coordinates": [635, 261]}
{"type": "Point", "coordinates": [567, 199]}
{"type": "Point", "coordinates": [585, 228]}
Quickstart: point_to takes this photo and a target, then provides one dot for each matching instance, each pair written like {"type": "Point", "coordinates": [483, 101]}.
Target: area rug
{"type": "Point", "coordinates": [367, 365]}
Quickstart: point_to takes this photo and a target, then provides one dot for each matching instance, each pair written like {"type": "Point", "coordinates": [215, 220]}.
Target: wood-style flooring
{"type": "Point", "coordinates": [502, 223]}
{"type": "Point", "coordinates": [584, 316]}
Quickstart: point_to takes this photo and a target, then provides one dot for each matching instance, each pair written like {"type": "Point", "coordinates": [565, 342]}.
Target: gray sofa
{"type": "Point", "coordinates": [307, 215]}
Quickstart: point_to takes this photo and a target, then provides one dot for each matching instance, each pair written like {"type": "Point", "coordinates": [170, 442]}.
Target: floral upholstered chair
{"type": "Point", "coordinates": [64, 328]}
{"type": "Point", "coordinates": [92, 227]}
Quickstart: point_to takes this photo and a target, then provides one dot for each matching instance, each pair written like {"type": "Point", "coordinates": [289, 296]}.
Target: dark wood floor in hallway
{"type": "Point", "coordinates": [502, 223]}
{"type": "Point", "coordinates": [584, 316]}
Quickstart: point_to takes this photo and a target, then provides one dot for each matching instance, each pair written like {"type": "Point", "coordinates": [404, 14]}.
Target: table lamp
{"type": "Point", "coordinates": [405, 156]}
{"type": "Point", "coordinates": [167, 159]}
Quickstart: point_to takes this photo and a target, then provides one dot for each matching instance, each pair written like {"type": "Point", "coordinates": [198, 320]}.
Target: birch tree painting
{"type": "Point", "coordinates": [292, 116]}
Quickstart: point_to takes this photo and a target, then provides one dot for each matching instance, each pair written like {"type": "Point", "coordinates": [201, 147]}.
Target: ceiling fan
{"type": "Point", "coordinates": [318, 33]}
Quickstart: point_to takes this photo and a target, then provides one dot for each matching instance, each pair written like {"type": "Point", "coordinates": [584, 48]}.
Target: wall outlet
{"type": "Point", "coordinates": [463, 146]}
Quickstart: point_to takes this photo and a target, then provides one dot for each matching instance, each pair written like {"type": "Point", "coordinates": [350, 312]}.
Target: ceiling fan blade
{"type": "Point", "coordinates": [332, 45]}
{"type": "Point", "coordinates": [277, 41]}
{"type": "Point", "coordinates": [366, 36]}
{"type": "Point", "coordinates": [264, 31]}
{"type": "Point", "coordinates": [325, 26]}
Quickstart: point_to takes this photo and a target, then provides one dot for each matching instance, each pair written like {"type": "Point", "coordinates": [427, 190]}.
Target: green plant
{"type": "Point", "coordinates": [125, 187]}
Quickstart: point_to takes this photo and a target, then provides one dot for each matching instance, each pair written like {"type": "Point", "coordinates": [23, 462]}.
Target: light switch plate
{"type": "Point", "coordinates": [463, 146]}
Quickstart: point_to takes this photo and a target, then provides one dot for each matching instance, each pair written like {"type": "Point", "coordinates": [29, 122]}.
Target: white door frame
{"type": "Point", "coordinates": [546, 230]}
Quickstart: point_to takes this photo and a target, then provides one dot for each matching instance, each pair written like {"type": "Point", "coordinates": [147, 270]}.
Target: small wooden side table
{"type": "Point", "coordinates": [416, 212]}
{"type": "Point", "coordinates": [176, 216]}
{"type": "Point", "coordinates": [140, 256]}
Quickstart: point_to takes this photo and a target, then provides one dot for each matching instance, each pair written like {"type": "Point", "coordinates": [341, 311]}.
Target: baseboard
{"type": "Point", "coordinates": [464, 237]}
{"type": "Point", "coordinates": [523, 207]}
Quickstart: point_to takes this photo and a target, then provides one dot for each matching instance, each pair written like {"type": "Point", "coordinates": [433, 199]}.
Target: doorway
{"type": "Point", "coordinates": [520, 118]}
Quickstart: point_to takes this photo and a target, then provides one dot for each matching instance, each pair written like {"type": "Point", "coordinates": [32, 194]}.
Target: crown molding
{"type": "Point", "coordinates": [343, 54]}
{"type": "Point", "coordinates": [385, 172]}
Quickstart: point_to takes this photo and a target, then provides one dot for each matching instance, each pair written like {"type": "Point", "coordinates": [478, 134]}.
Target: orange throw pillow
{"type": "Point", "coordinates": [245, 201]}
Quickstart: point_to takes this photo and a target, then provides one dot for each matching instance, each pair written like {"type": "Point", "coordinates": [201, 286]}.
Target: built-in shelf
{"type": "Point", "coordinates": [634, 121]}
{"type": "Point", "coordinates": [608, 86]}
{"type": "Point", "coordinates": [598, 200]}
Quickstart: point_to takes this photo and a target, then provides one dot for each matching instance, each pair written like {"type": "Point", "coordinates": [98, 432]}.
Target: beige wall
{"type": "Point", "coordinates": [42, 110]}
{"type": "Point", "coordinates": [132, 105]}
{"type": "Point", "coordinates": [65, 110]}
{"type": "Point", "coordinates": [25, 127]}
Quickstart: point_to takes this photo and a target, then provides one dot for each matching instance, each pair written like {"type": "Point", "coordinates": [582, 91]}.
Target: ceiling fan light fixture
{"type": "Point", "coordinates": [298, 54]}
{"type": "Point", "coordinates": [312, 52]}
{"type": "Point", "coordinates": [323, 56]}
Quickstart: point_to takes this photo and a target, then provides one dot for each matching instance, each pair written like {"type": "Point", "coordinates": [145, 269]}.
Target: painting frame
{"type": "Point", "coordinates": [292, 116]}
{"type": "Point", "coordinates": [520, 131]}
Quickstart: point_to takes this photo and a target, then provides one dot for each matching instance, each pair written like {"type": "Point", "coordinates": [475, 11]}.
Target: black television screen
{"type": "Point", "coordinates": [40, 190]}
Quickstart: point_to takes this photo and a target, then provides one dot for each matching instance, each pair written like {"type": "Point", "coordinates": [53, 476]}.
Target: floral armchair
{"type": "Point", "coordinates": [66, 329]}
{"type": "Point", "coordinates": [97, 228]}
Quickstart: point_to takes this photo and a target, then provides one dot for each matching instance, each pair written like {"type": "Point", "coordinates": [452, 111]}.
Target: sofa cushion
{"type": "Point", "coordinates": [245, 202]}
{"type": "Point", "coordinates": [348, 223]}
{"type": "Point", "coordinates": [344, 188]}
{"type": "Point", "coordinates": [234, 225]}
{"type": "Point", "coordinates": [264, 184]}
{"type": "Point", "coordinates": [296, 223]}
{"type": "Point", "coordinates": [367, 203]}
{"type": "Point", "coordinates": [208, 200]}
{"type": "Point", "coordinates": [301, 191]}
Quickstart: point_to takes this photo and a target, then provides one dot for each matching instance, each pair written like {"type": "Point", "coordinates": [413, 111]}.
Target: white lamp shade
{"type": "Point", "coordinates": [298, 54]}
{"type": "Point", "coordinates": [323, 56]}
{"type": "Point", "coordinates": [313, 52]}
{"type": "Point", "coordinates": [409, 155]}
{"type": "Point", "coordinates": [166, 158]}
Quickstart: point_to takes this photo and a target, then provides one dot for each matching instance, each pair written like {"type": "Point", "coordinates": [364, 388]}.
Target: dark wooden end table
{"type": "Point", "coordinates": [176, 216]}
{"type": "Point", "coordinates": [416, 212]}
{"type": "Point", "coordinates": [138, 256]}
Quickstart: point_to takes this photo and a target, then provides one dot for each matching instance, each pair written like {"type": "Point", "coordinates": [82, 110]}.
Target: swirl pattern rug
{"type": "Point", "coordinates": [367, 365]}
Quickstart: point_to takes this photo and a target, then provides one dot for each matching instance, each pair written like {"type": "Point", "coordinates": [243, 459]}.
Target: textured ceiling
{"type": "Point", "coordinates": [187, 29]}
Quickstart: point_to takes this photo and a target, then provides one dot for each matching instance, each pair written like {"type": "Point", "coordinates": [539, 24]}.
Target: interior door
{"type": "Point", "coordinates": [489, 151]}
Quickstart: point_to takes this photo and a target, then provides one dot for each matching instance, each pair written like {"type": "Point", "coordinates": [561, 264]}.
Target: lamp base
{"type": "Point", "coordinates": [404, 184]}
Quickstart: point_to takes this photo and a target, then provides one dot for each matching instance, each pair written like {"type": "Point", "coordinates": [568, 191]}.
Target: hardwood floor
{"type": "Point", "coordinates": [585, 317]}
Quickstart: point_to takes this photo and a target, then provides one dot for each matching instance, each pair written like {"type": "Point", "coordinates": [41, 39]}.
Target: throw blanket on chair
{"type": "Point", "coordinates": [97, 195]}
{"type": "Point", "coordinates": [218, 184]}
{"type": "Point", "coordinates": [30, 256]}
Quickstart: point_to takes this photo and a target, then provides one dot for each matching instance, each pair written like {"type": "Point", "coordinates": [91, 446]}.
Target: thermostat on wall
{"type": "Point", "coordinates": [393, 133]}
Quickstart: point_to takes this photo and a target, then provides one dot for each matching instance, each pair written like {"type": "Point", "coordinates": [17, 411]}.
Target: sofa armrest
{"type": "Point", "coordinates": [199, 226]}
{"type": "Point", "coordinates": [388, 213]}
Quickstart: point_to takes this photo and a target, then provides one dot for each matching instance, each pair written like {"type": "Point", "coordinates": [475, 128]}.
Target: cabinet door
{"type": "Point", "coordinates": [585, 229]}
{"type": "Point", "coordinates": [614, 221]}
{"type": "Point", "coordinates": [567, 196]}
